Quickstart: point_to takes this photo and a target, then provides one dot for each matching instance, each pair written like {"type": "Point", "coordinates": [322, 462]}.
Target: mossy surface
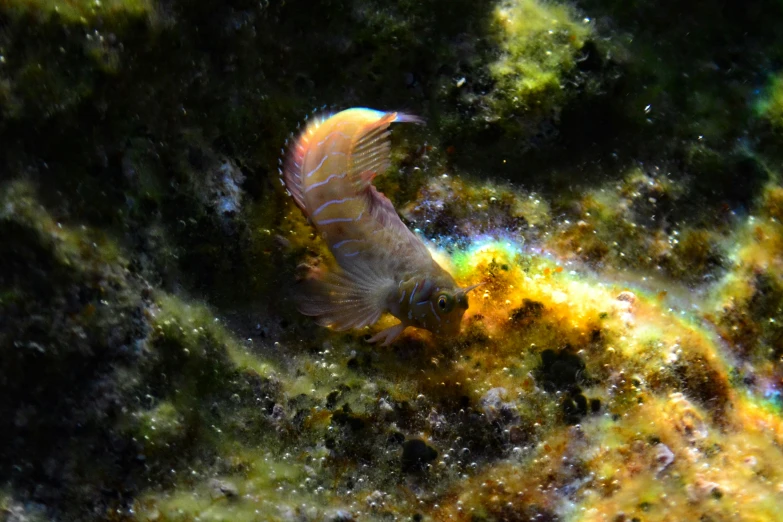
{"type": "Point", "coordinates": [770, 107]}
{"type": "Point", "coordinates": [80, 11]}
{"type": "Point", "coordinates": [72, 323]}
{"type": "Point", "coordinates": [540, 43]}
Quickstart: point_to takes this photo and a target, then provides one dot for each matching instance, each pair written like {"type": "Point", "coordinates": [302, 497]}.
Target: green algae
{"type": "Point", "coordinates": [54, 74]}
{"type": "Point", "coordinates": [539, 43]}
{"type": "Point", "coordinates": [77, 248]}
{"type": "Point", "coordinates": [747, 303]}
{"type": "Point", "coordinates": [624, 224]}
{"type": "Point", "coordinates": [770, 106]}
{"type": "Point", "coordinates": [201, 360]}
{"type": "Point", "coordinates": [537, 61]}
{"type": "Point", "coordinates": [79, 12]}
{"type": "Point", "coordinates": [318, 410]}
{"type": "Point", "coordinates": [89, 316]}
{"type": "Point", "coordinates": [163, 425]}
{"type": "Point", "coordinates": [635, 353]}
{"type": "Point", "coordinates": [196, 331]}
{"type": "Point", "coordinates": [8, 296]}
{"type": "Point", "coordinates": [262, 486]}
{"type": "Point", "coordinates": [177, 344]}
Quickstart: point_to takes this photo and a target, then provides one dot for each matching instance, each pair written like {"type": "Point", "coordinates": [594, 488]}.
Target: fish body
{"type": "Point", "coordinates": [383, 266]}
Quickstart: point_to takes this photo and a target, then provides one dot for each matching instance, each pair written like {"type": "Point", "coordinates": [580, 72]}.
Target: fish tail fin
{"type": "Point", "coordinates": [347, 299]}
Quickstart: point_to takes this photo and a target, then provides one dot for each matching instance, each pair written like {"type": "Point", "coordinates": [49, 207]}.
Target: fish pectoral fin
{"type": "Point", "coordinates": [347, 299]}
{"type": "Point", "coordinates": [388, 335]}
{"type": "Point", "coordinates": [307, 271]}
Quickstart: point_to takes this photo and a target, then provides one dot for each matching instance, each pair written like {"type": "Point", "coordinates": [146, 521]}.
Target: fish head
{"type": "Point", "coordinates": [435, 304]}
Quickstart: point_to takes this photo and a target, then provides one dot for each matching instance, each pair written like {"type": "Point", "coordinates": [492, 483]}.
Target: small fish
{"type": "Point", "coordinates": [383, 266]}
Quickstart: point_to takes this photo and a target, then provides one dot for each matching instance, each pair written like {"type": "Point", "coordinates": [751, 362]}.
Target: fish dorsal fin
{"type": "Point", "coordinates": [370, 156]}
{"type": "Point", "coordinates": [371, 152]}
{"type": "Point", "coordinates": [290, 169]}
{"type": "Point", "coordinates": [292, 157]}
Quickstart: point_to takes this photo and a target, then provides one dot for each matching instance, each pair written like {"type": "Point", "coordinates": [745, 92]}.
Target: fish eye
{"type": "Point", "coordinates": [444, 302]}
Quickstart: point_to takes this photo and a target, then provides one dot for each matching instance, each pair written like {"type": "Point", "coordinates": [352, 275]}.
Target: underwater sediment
{"type": "Point", "coordinates": [609, 172]}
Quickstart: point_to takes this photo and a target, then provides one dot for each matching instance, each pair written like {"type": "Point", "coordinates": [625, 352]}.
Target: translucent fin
{"type": "Point", "coordinates": [371, 152]}
{"type": "Point", "coordinates": [388, 335]}
{"type": "Point", "coordinates": [353, 298]}
{"type": "Point", "coordinates": [370, 156]}
{"type": "Point", "coordinates": [408, 118]}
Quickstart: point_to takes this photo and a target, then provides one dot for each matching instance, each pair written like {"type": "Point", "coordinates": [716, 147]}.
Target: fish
{"type": "Point", "coordinates": [382, 266]}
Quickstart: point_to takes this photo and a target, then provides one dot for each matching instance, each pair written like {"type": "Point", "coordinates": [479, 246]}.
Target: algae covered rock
{"type": "Point", "coordinates": [540, 45]}
{"type": "Point", "coordinates": [608, 172]}
{"type": "Point", "coordinates": [769, 107]}
{"type": "Point", "coordinates": [73, 331]}
{"type": "Point", "coordinates": [539, 57]}
{"type": "Point", "coordinates": [88, 361]}
{"type": "Point", "coordinates": [748, 301]}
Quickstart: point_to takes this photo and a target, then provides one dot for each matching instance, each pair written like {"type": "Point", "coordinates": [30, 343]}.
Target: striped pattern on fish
{"type": "Point", "coordinates": [383, 266]}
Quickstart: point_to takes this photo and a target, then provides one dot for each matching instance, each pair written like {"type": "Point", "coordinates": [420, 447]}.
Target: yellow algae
{"type": "Point", "coordinates": [761, 247]}
{"type": "Point", "coordinates": [745, 305]}
{"type": "Point", "coordinates": [762, 421]}
{"type": "Point", "coordinates": [635, 417]}
{"type": "Point", "coordinates": [650, 468]}
{"type": "Point", "coordinates": [581, 386]}
{"type": "Point", "coordinates": [295, 228]}
{"type": "Point", "coordinates": [703, 470]}
{"type": "Point", "coordinates": [578, 306]}
{"type": "Point", "coordinates": [475, 209]}
{"type": "Point", "coordinates": [623, 227]}
{"type": "Point", "coordinates": [637, 333]}
{"type": "Point", "coordinates": [772, 202]}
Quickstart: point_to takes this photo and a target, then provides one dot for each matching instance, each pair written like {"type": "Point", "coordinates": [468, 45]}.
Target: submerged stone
{"type": "Point", "coordinates": [416, 455]}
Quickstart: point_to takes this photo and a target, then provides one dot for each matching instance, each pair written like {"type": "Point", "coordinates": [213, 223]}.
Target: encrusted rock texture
{"type": "Point", "coordinates": [610, 171]}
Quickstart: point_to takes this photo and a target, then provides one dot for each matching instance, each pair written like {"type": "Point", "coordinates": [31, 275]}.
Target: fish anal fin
{"type": "Point", "coordinates": [388, 335]}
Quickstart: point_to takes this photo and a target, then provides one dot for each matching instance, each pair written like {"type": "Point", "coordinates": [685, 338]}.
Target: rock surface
{"type": "Point", "coordinates": [610, 171]}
